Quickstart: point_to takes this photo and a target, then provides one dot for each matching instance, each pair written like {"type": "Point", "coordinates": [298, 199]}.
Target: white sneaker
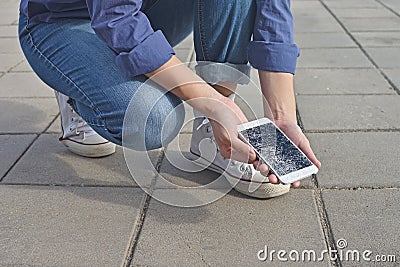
{"type": "Point", "coordinates": [78, 136]}
{"type": "Point", "coordinates": [242, 176]}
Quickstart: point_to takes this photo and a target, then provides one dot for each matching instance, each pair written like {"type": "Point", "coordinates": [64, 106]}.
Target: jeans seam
{"type": "Point", "coordinates": [68, 79]}
{"type": "Point", "coordinates": [201, 30]}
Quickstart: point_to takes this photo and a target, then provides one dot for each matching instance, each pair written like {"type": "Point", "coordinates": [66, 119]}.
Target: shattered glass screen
{"type": "Point", "coordinates": [275, 149]}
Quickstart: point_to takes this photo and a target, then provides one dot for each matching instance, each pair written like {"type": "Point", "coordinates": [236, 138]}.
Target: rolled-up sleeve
{"type": "Point", "coordinates": [127, 31]}
{"type": "Point", "coordinates": [273, 47]}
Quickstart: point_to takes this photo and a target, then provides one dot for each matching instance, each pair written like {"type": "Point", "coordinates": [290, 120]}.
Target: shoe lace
{"type": "Point", "coordinates": [79, 125]}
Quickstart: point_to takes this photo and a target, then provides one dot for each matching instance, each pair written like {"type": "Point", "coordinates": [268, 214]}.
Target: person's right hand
{"type": "Point", "coordinates": [224, 120]}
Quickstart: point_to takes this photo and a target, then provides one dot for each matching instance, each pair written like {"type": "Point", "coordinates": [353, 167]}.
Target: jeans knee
{"type": "Point", "coordinates": [152, 127]}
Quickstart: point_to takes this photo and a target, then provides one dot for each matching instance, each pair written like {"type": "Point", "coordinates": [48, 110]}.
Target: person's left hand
{"type": "Point", "coordinates": [293, 131]}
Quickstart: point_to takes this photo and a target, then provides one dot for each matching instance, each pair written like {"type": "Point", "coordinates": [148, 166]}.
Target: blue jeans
{"type": "Point", "coordinates": [71, 59]}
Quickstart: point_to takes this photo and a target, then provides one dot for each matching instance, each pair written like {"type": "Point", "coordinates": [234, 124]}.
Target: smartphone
{"type": "Point", "coordinates": [275, 149]}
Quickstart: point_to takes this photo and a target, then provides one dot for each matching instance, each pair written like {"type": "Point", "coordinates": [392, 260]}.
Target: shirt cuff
{"type": "Point", "coordinates": [146, 57]}
{"type": "Point", "coordinates": [276, 57]}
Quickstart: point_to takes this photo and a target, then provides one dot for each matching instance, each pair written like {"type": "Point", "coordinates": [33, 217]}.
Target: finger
{"type": "Point", "coordinates": [264, 169]}
{"type": "Point", "coordinates": [296, 184]}
{"type": "Point", "coordinates": [242, 152]}
{"type": "Point", "coordinates": [273, 179]}
{"type": "Point", "coordinates": [306, 148]}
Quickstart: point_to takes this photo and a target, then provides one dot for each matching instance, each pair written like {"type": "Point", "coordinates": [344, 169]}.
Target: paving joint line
{"type": "Point", "coordinates": [395, 130]}
{"type": "Point", "coordinates": [352, 94]}
{"type": "Point", "coordinates": [357, 188]}
{"type": "Point", "coordinates": [68, 185]}
{"type": "Point", "coordinates": [137, 229]}
{"type": "Point", "coordinates": [324, 221]}
{"type": "Point", "coordinates": [320, 205]}
{"type": "Point", "coordinates": [27, 148]}
{"type": "Point", "coordinates": [388, 7]}
{"type": "Point", "coordinates": [395, 88]}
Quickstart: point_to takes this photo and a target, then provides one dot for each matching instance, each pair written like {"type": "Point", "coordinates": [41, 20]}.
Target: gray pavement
{"type": "Point", "coordinates": [58, 209]}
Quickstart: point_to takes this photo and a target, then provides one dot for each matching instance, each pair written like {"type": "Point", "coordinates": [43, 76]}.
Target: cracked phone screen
{"type": "Point", "coordinates": [275, 149]}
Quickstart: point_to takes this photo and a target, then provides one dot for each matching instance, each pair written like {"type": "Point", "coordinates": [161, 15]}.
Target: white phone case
{"type": "Point", "coordinates": [287, 178]}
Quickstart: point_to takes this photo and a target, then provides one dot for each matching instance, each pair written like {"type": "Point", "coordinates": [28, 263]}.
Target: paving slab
{"type": "Point", "coordinates": [348, 162]}
{"type": "Point", "coordinates": [8, 61]}
{"type": "Point", "coordinates": [367, 220]}
{"type": "Point", "coordinates": [340, 81]}
{"type": "Point", "coordinates": [184, 54]}
{"type": "Point", "coordinates": [23, 85]}
{"type": "Point", "coordinates": [333, 58]}
{"type": "Point", "coordinates": [178, 169]}
{"type": "Point", "coordinates": [22, 67]}
{"type": "Point", "coordinates": [334, 113]}
{"type": "Point", "coordinates": [229, 232]}
{"type": "Point", "coordinates": [11, 148]}
{"type": "Point", "coordinates": [8, 15]}
{"type": "Point", "coordinates": [388, 57]}
{"type": "Point", "coordinates": [8, 31]}
{"type": "Point", "coordinates": [362, 12]}
{"type": "Point", "coordinates": [10, 46]}
{"type": "Point", "coordinates": [49, 162]}
{"type": "Point", "coordinates": [372, 24]}
{"type": "Point", "coordinates": [29, 115]}
{"type": "Point", "coordinates": [355, 4]}
{"type": "Point", "coordinates": [55, 126]}
{"type": "Point", "coordinates": [66, 226]}
{"type": "Point", "coordinates": [394, 76]}
{"type": "Point", "coordinates": [378, 39]}
{"type": "Point", "coordinates": [312, 23]}
{"type": "Point", "coordinates": [392, 4]}
{"type": "Point", "coordinates": [323, 40]}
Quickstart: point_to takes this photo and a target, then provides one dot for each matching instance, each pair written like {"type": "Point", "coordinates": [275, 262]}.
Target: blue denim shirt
{"type": "Point", "coordinates": [126, 30]}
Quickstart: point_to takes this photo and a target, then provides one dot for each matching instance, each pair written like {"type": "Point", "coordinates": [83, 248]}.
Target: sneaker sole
{"type": "Point", "coordinates": [90, 151]}
{"type": "Point", "coordinates": [263, 191]}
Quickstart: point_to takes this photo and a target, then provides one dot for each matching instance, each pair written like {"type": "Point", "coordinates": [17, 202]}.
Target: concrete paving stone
{"type": "Point", "coordinates": [378, 39]}
{"type": "Point", "coordinates": [187, 43]}
{"type": "Point", "coordinates": [25, 84]}
{"type": "Point", "coordinates": [362, 12]}
{"type": "Point", "coordinates": [11, 148]}
{"type": "Point", "coordinates": [219, 235]}
{"type": "Point", "coordinates": [367, 220]}
{"type": "Point", "coordinates": [10, 46]}
{"type": "Point", "coordinates": [388, 57]}
{"type": "Point", "coordinates": [357, 159]}
{"type": "Point", "coordinates": [372, 24]}
{"type": "Point", "coordinates": [8, 31]}
{"type": "Point", "coordinates": [30, 115]}
{"type": "Point", "coordinates": [49, 162]}
{"type": "Point", "coordinates": [333, 58]}
{"type": "Point", "coordinates": [22, 67]}
{"type": "Point", "coordinates": [311, 23]}
{"type": "Point", "coordinates": [66, 226]}
{"type": "Point", "coordinates": [356, 4]}
{"type": "Point", "coordinates": [8, 61]}
{"type": "Point", "coordinates": [8, 15]}
{"type": "Point", "coordinates": [339, 81]}
{"type": "Point", "coordinates": [323, 40]}
{"type": "Point", "coordinates": [177, 167]}
{"type": "Point", "coordinates": [184, 54]}
{"type": "Point", "coordinates": [323, 113]}
{"type": "Point", "coordinates": [394, 76]}
{"type": "Point", "coordinates": [393, 4]}
{"type": "Point", "coordinates": [55, 127]}
{"type": "Point", "coordinates": [303, 5]}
